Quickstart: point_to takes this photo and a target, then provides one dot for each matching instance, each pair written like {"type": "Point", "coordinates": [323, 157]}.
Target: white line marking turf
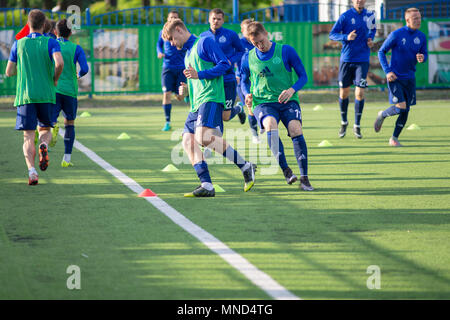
{"type": "Point", "coordinates": [259, 278]}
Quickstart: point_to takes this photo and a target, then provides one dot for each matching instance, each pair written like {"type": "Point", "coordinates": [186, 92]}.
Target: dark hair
{"type": "Point", "coordinates": [49, 25]}
{"type": "Point", "coordinates": [217, 11]}
{"type": "Point", "coordinates": [36, 18]}
{"type": "Point", "coordinates": [174, 11]}
{"type": "Point", "coordinates": [255, 28]}
{"type": "Point", "coordinates": [61, 29]}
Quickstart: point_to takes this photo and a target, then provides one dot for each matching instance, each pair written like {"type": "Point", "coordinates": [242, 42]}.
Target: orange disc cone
{"type": "Point", "coordinates": [147, 193]}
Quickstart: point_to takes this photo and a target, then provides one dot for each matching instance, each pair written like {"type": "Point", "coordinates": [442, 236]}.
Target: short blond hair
{"type": "Point", "coordinates": [255, 28]}
{"type": "Point", "coordinates": [170, 26]}
{"type": "Point", "coordinates": [411, 10]}
{"type": "Point", "coordinates": [246, 22]}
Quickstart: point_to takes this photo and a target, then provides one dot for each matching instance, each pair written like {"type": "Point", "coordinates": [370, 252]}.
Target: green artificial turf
{"type": "Point", "coordinates": [373, 205]}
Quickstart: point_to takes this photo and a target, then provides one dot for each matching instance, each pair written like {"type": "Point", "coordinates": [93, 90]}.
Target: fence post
{"type": "Point", "coordinates": [382, 11]}
{"type": "Point", "coordinates": [235, 11]}
{"type": "Point", "coordinates": [88, 17]}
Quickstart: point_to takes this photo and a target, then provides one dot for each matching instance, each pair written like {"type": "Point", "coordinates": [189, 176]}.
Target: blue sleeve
{"type": "Point", "coordinates": [245, 75]}
{"type": "Point", "coordinates": [238, 49]}
{"type": "Point", "coordinates": [208, 50]}
{"type": "Point", "coordinates": [388, 44]}
{"type": "Point", "coordinates": [292, 60]}
{"type": "Point", "coordinates": [372, 32]}
{"type": "Point", "coordinates": [336, 32]}
{"type": "Point", "coordinates": [80, 57]}
{"type": "Point", "coordinates": [424, 49]}
{"type": "Point", "coordinates": [13, 53]}
{"type": "Point", "coordinates": [53, 47]}
{"type": "Point", "coordinates": [160, 44]}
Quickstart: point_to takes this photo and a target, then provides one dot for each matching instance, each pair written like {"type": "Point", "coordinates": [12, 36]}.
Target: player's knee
{"type": "Point", "coordinates": [401, 105]}
{"type": "Point", "coordinates": [188, 141]}
{"type": "Point", "coordinates": [359, 93]}
{"type": "Point", "coordinates": [69, 122]}
{"type": "Point", "coordinates": [226, 115]}
{"type": "Point", "coordinates": [344, 93]}
{"type": "Point", "coordinates": [166, 97]}
{"type": "Point", "coordinates": [295, 128]}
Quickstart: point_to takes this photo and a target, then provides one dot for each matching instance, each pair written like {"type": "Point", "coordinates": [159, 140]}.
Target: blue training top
{"type": "Point", "coordinates": [173, 58]}
{"type": "Point", "coordinates": [53, 46]}
{"type": "Point", "coordinates": [290, 60]}
{"type": "Point", "coordinates": [405, 44]}
{"type": "Point", "coordinates": [247, 47]}
{"type": "Point", "coordinates": [364, 24]}
{"type": "Point", "coordinates": [229, 42]}
{"type": "Point", "coordinates": [208, 50]}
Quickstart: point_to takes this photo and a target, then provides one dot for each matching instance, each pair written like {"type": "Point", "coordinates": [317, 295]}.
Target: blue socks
{"type": "Point", "coordinates": [69, 139]}
{"type": "Point", "coordinates": [400, 123]}
{"type": "Point", "coordinates": [301, 154]}
{"type": "Point", "coordinates": [167, 109]}
{"type": "Point", "coordinates": [202, 172]}
{"type": "Point", "coordinates": [253, 123]}
{"type": "Point", "coordinates": [359, 106]}
{"type": "Point", "coordinates": [391, 111]}
{"type": "Point", "coordinates": [278, 151]}
{"type": "Point", "coordinates": [234, 157]}
{"type": "Point", "coordinates": [343, 105]}
{"type": "Point", "coordinates": [235, 110]}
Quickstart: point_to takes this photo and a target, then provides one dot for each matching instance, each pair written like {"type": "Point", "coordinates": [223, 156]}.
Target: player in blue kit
{"type": "Point", "coordinates": [356, 29]}
{"type": "Point", "coordinates": [409, 47]}
{"type": "Point", "coordinates": [205, 66]}
{"type": "Point", "coordinates": [172, 71]}
{"type": "Point", "coordinates": [268, 85]}
{"type": "Point", "coordinates": [67, 89]}
{"type": "Point", "coordinates": [253, 123]}
{"type": "Point", "coordinates": [229, 42]}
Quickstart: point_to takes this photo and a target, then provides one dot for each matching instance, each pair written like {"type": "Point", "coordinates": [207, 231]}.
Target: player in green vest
{"type": "Point", "coordinates": [269, 88]}
{"type": "Point", "coordinates": [38, 63]}
{"type": "Point", "coordinates": [205, 66]}
{"type": "Point", "coordinates": [67, 89]}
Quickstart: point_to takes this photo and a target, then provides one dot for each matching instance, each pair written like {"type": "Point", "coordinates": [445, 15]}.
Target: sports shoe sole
{"type": "Point", "coordinates": [32, 182]}
{"type": "Point", "coordinates": [43, 157]}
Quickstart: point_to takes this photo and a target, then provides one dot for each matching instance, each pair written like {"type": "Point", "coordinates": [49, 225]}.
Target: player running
{"type": "Point", "coordinates": [409, 47]}
{"type": "Point", "coordinates": [356, 29]}
{"type": "Point", "coordinates": [205, 66]}
{"type": "Point", "coordinates": [38, 63]}
{"type": "Point", "coordinates": [268, 86]}
{"type": "Point", "coordinates": [67, 89]}
{"type": "Point", "coordinates": [172, 71]}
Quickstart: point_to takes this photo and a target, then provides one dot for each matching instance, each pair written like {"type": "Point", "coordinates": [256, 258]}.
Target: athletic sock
{"type": "Point", "coordinates": [234, 157]}
{"type": "Point", "coordinates": [391, 111]}
{"type": "Point", "coordinates": [400, 123]}
{"type": "Point", "coordinates": [202, 171]}
{"type": "Point", "coordinates": [69, 139]}
{"type": "Point", "coordinates": [235, 110]}
{"type": "Point", "coordinates": [67, 157]}
{"type": "Point", "coordinates": [273, 138]}
{"type": "Point", "coordinates": [253, 123]}
{"type": "Point", "coordinates": [359, 106]}
{"type": "Point", "coordinates": [343, 105]}
{"type": "Point", "coordinates": [301, 154]}
{"type": "Point", "coordinates": [167, 109]}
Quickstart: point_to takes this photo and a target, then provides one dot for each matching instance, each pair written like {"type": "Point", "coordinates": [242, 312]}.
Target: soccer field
{"type": "Point", "coordinates": [374, 205]}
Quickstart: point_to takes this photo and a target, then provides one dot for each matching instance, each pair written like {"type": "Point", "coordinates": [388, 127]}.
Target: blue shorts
{"type": "Point", "coordinates": [402, 91]}
{"type": "Point", "coordinates": [209, 115]}
{"type": "Point", "coordinates": [30, 115]}
{"type": "Point", "coordinates": [171, 79]}
{"type": "Point", "coordinates": [284, 112]}
{"type": "Point", "coordinates": [230, 94]}
{"type": "Point", "coordinates": [67, 104]}
{"type": "Point", "coordinates": [353, 73]}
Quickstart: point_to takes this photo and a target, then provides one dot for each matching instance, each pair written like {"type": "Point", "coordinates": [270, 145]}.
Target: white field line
{"type": "Point", "coordinates": [259, 278]}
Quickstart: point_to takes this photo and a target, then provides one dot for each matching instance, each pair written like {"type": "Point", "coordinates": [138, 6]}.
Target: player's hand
{"type": "Point", "coordinates": [352, 35]}
{"type": "Point", "coordinates": [249, 100]}
{"type": "Point", "coordinates": [391, 77]}
{"type": "Point", "coordinates": [161, 55]}
{"type": "Point", "coordinates": [183, 90]}
{"type": "Point", "coordinates": [420, 57]}
{"type": "Point", "coordinates": [286, 95]}
{"type": "Point", "coordinates": [190, 73]}
{"type": "Point", "coordinates": [370, 43]}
